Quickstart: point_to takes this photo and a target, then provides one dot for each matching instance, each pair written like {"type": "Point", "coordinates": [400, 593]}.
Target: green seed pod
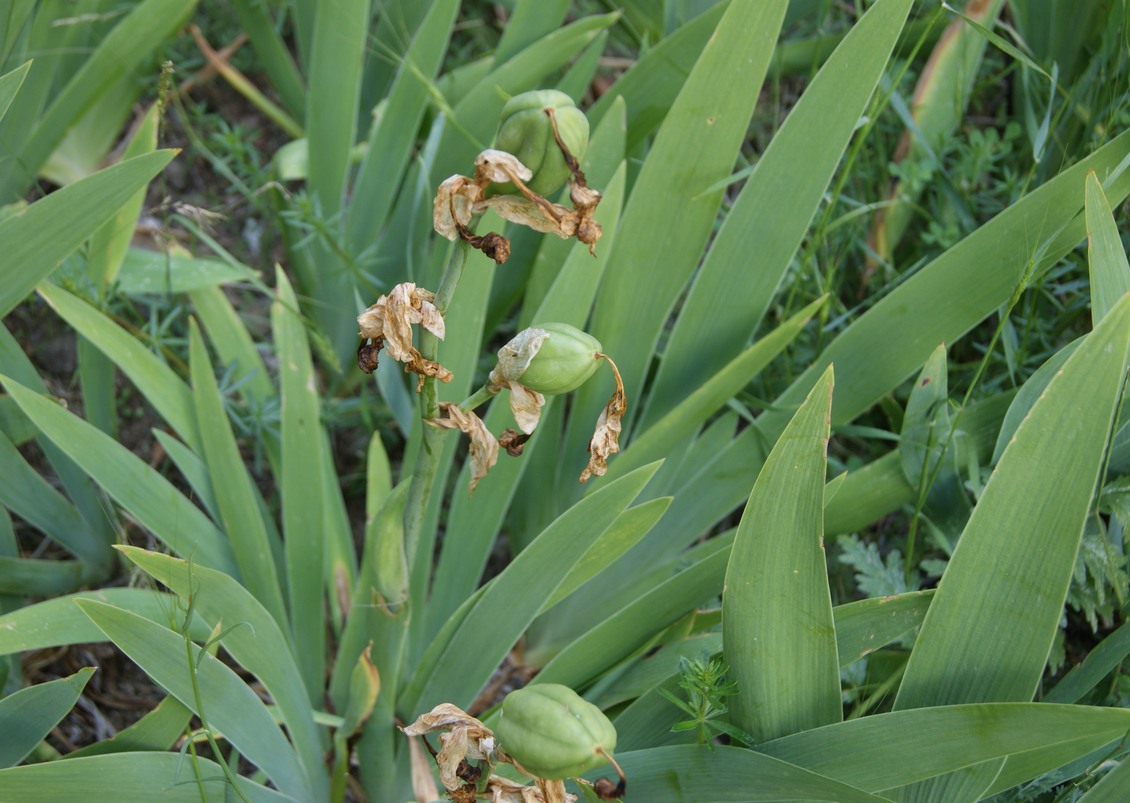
{"type": "Point", "coordinates": [526, 132]}
{"type": "Point", "coordinates": [566, 359]}
{"type": "Point", "coordinates": [552, 732]}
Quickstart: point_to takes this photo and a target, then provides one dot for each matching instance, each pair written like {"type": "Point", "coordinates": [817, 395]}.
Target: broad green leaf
{"type": "Point", "coordinates": [133, 483]}
{"type": "Point", "coordinates": [684, 419]}
{"type": "Point", "coordinates": [695, 773]}
{"type": "Point", "coordinates": [36, 238]}
{"type": "Point", "coordinates": [531, 20]}
{"type": "Point", "coordinates": [1110, 273]}
{"type": "Point", "coordinates": [258, 644]}
{"type": "Point", "coordinates": [868, 624]}
{"type": "Point", "coordinates": [624, 631]}
{"type": "Point", "coordinates": [158, 383]}
{"type": "Point", "coordinates": [10, 84]}
{"type": "Point", "coordinates": [780, 640]}
{"type": "Point", "coordinates": [27, 577]}
{"type": "Point", "coordinates": [885, 751]}
{"type": "Point", "coordinates": [232, 485]}
{"type": "Point", "coordinates": [512, 600]}
{"type": "Point", "coordinates": [129, 776]}
{"type": "Point", "coordinates": [30, 713]}
{"type": "Point", "coordinates": [193, 470]}
{"type": "Point", "coordinates": [212, 690]}
{"type": "Point", "coordinates": [653, 82]}
{"type": "Point", "coordinates": [672, 208]}
{"type": "Point", "coordinates": [177, 271]}
{"type": "Point", "coordinates": [630, 526]}
{"type": "Point", "coordinates": [861, 627]}
{"type": "Point", "coordinates": [1027, 527]}
{"type": "Point", "coordinates": [26, 493]}
{"type": "Point", "coordinates": [765, 226]}
{"type": "Point", "coordinates": [58, 622]}
{"type": "Point", "coordinates": [302, 500]}
{"type": "Point", "coordinates": [117, 55]}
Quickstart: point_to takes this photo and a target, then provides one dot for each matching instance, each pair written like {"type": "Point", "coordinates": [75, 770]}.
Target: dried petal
{"type": "Point", "coordinates": [423, 781]}
{"type": "Point", "coordinates": [455, 204]}
{"type": "Point", "coordinates": [465, 739]}
{"type": "Point", "coordinates": [606, 439]}
{"type": "Point", "coordinates": [484, 446]}
{"type": "Point", "coordinates": [524, 212]}
{"type": "Point", "coordinates": [499, 167]}
{"type": "Point", "coordinates": [388, 323]}
{"type": "Point", "coordinates": [526, 406]}
{"type": "Point", "coordinates": [514, 358]}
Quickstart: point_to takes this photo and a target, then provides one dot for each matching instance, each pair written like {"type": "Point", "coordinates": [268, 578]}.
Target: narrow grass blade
{"type": "Point", "coordinates": [303, 507]}
{"type": "Point", "coordinates": [157, 382]}
{"type": "Point", "coordinates": [233, 343]}
{"type": "Point", "coordinates": [130, 776]}
{"type": "Point", "coordinates": [777, 204]}
{"type": "Point", "coordinates": [229, 704]}
{"type": "Point", "coordinates": [394, 131]}
{"type": "Point", "coordinates": [967, 283]}
{"type": "Point", "coordinates": [512, 600]}
{"type": "Point", "coordinates": [1113, 788]}
{"type": "Point", "coordinates": [776, 606]}
{"type": "Point", "coordinates": [1099, 663]}
{"type": "Point", "coordinates": [158, 730]}
{"type": "Point", "coordinates": [29, 714]}
{"type": "Point", "coordinates": [274, 56]}
{"type": "Point", "coordinates": [938, 104]}
{"type": "Point", "coordinates": [134, 484]}
{"type": "Point", "coordinates": [530, 21]}
{"type": "Point", "coordinates": [35, 239]}
{"type": "Point", "coordinates": [1110, 273]}
{"type": "Point", "coordinates": [885, 751]}
{"type": "Point", "coordinates": [232, 485]}
{"type": "Point", "coordinates": [258, 644]}
{"type": "Point", "coordinates": [108, 245]}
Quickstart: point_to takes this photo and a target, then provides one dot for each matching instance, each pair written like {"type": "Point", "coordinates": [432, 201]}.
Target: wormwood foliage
{"type": "Point", "coordinates": [862, 277]}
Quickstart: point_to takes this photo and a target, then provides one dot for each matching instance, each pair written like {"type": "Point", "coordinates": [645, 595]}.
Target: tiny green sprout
{"type": "Point", "coordinates": [704, 681]}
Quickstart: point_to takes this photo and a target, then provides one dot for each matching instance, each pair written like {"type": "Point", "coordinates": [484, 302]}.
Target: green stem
{"type": "Point", "coordinates": [424, 472]}
{"type": "Point", "coordinates": [479, 397]}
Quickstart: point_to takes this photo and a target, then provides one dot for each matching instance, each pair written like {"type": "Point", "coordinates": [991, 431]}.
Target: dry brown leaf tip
{"type": "Point", "coordinates": [484, 446]}
{"type": "Point", "coordinates": [388, 324]}
{"type": "Point", "coordinates": [606, 438]}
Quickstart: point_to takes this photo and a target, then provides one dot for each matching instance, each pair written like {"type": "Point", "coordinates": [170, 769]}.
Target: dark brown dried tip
{"type": "Point", "coordinates": [512, 441]}
{"type": "Point", "coordinates": [493, 244]}
{"type": "Point", "coordinates": [367, 353]}
{"type": "Point", "coordinates": [606, 790]}
{"type": "Point", "coordinates": [468, 772]}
